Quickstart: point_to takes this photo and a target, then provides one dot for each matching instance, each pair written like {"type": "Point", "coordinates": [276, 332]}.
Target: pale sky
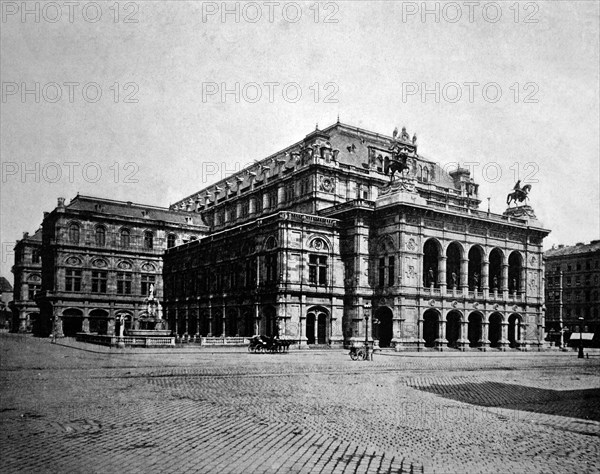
{"type": "Point", "coordinates": [174, 141]}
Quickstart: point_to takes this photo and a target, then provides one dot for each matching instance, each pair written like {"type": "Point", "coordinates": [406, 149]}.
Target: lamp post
{"type": "Point", "coordinates": [580, 354]}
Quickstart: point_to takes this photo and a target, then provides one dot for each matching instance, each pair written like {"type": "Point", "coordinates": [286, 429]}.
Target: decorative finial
{"type": "Point", "coordinates": [338, 120]}
{"type": "Point", "coordinates": [317, 126]}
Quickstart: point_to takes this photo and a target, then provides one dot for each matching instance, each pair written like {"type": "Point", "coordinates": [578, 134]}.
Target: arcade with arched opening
{"type": "Point", "coordinates": [383, 321]}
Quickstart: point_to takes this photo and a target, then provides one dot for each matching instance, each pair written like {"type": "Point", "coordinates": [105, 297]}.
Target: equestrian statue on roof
{"type": "Point", "coordinates": [519, 193]}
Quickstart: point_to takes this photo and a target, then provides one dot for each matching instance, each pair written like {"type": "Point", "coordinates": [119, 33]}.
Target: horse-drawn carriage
{"type": "Point", "coordinates": [260, 344]}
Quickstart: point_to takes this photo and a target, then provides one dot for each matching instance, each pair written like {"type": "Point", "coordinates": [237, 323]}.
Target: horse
{"type": "Point", "coordinates": [398, 166]}
{"type": "Point", "coordinates": [518, 195]}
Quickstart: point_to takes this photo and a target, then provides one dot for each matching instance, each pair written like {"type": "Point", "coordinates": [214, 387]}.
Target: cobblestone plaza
{"type": "Point", "coordinates": [68, 407]}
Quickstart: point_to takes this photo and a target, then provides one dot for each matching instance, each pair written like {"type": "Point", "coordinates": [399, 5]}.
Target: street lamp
{"type": "Point", "coordinates": [580, 354]}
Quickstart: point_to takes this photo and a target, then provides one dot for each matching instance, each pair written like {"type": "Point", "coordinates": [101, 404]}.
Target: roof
{"type": "Point", "coordinates": [5, 285]}
{"type": "Point", "coordinates": [593, 246]}
{"type": "Point", "coordinates": [352, 142]}
{"type": "Point", "coordinates": [131, 210]}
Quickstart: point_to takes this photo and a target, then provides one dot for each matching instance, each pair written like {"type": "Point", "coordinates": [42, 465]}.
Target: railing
{"type": "Point", "coordinates": [113, 341]}
{"type": "Point", "coordinates": [224, 341]}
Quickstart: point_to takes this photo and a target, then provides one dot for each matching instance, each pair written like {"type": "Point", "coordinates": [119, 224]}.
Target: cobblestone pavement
{"type": "Point", "coordinates": [70, 407]}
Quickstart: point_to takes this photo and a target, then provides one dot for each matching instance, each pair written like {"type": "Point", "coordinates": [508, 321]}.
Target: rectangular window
{"type": "Point", "coordinates": [124, 283]}
{"type": "Point", "coordinates": [32, 290]}
{"type": "Point", "coordinates": [391, 270]}
{"type": "Point", "coordinates": [35, 256]}
{"type": "Point", "coordinates": [99, 279]}
{"type": "Point", "coordinates": [72, 280]}
{"type": "Point", "coordinates": [147, 280]}
{"type": "Point", "coordinates": [271, 264]}
{"type": "Point", "coordinates": [382, 271]}
{"type": "Point", "coordinates": [317, 270]}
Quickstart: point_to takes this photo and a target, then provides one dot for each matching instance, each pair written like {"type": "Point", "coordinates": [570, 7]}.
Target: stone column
{"type": "Point", "coordinates": [441, 341]}
{"type": "Point", "coordinates": [484, 342]}
{"type": "Point", "coordinates": [504, 281]}
{"type": "Point", "coordinates": [420, 340]}
{"type": "Point", "coordinates": [442, 274]}
{"type": "Point", "coordinates": [503, 343]}
{"type": "Point", "coordinates": [256, 319]}
{"type": "Point", "coordinates": [485, 277]}
{"type": "Point", "coordinates": [464, 275]}
{"type": "Point", "coordinates": [463, 341]}
{"type": "Point", "coordinates": [211, 328]}
{"type": "Point", "coordinates": [85, 325]}
{"type": "Point", "coordinates": [302, 330]}
{"type": "Point", "coordinates": [223, 320]}
{"type": "Point", "coordinates": [252, 206]}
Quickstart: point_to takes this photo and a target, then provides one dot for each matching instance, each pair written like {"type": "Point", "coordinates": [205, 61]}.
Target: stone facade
{"type": "Point", "coordinates": [573, 290]}
{"type": "Point", "coordinates": [99, 259]}
{"type": "Point", "coordinates": [315, 243]}
{"type": "Point", "coordinates": [27, 271]}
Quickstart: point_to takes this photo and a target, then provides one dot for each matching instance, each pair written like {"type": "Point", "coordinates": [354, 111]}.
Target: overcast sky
{"type": "Point", "coordinates": [518, 94]}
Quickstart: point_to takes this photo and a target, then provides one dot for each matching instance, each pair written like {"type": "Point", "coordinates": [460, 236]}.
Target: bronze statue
{"type": "Point", "coordinates": [519, 194]}
{"type": "Point", "coordinates": [398, 163]}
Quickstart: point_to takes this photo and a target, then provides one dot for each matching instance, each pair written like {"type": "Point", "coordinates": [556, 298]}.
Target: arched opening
{"type": "Point", "coordinates": [171, 240]}
{"type": "Point", "coordinates": [310, 328]}
{"type": "Point", "coordinates": [217, 324]}
{"type": "Point", "coordinates": [231, 326]}
{"type": "Point", "coordinates": [248, 321]}
{"type": "Point", "coordinates": [475, 331]}
{"type": "Point", "coordinates": [204, 324]}
{"type": "Point", "coordinates": [431, 256]}
{"type": "Point", "coordinates": [32, 321]}
{"type": "Point", "coordinates": [270, 321]}
{"type": "Point", "coordinates": [430, 327]}
{"type": "Point", "coordinates": [193, 322]}
{"type": "Point", "coordinates": [495, 329]}
{"type": "Point", "coordinates": [322, 329]}
{"type": "Point", "coordinates": [475, 267]}
{"type": "Point", "coordinates": [383, 326]}
{"type": "Point", "coordinates": [453, 328]}
{"type": "Point", "coordinates": [98, 320]}
{"type": "Point", "coordinates": [515, 267]}
{"type": "Point", "coordinates": [453, 257]}
{"type": "Point", "coordinates": [317, 322]}
{"type": "Point", "coordinates": [514, 330]}
{"type": "Point", "coordinates": [72, 319]}
{"type": "Point", "coordinates": [495, 270]}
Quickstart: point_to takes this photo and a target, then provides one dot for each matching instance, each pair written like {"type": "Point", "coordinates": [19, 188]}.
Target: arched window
{"type": "Point", "coordinates": [74, 233]}
{"type": "Point", "coordinates": [125, 238]}
{"type": "Point", "coordinates": [426, 174]}
{"type": "Point", "coordinates": [100, 236]}
{"type": "Point", "coordinates": [171, 240]}
{"type": "Point", "coordinates": [148, 240]}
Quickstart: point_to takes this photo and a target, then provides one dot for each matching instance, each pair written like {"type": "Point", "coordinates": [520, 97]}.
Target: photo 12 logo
{"type": "Point", "coordinates": [472, 91]}
{"type": "Point", "coordinates": [253, 92]}
{"type": "Point", "coordinates": [53, 92]}
{"type": "Point", "coordinates": [269, 12]}
{"type": "Point", "coordinates": [69, 12]}
{"type": "Point", "coordinates": [470, 12]}
{"type": "Point", "coordinates": [69, 171]}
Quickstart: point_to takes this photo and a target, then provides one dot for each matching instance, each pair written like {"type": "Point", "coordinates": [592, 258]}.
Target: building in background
{"type": "Point", "coordinates": [6, 297]}
{"type": "Point", "coordinates": [100, 259]}
{"type": "Point", "coordinates": [317, 244]}
{"type": "Point", "coordinates": [27, 272]}
{"type": "Point", "coordinates": [573, 290]}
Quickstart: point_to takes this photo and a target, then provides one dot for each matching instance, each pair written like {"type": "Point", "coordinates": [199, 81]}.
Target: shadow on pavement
{"type": "Point", "coordinates": [583, 404]}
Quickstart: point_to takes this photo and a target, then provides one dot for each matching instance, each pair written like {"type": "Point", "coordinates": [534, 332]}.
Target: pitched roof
{"type": "Point", "coordinates": [132, 210]}
{"type": "Point", "coordinates": [593, 246]}
{"type": "Point", "coordinates": [5, 285]}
